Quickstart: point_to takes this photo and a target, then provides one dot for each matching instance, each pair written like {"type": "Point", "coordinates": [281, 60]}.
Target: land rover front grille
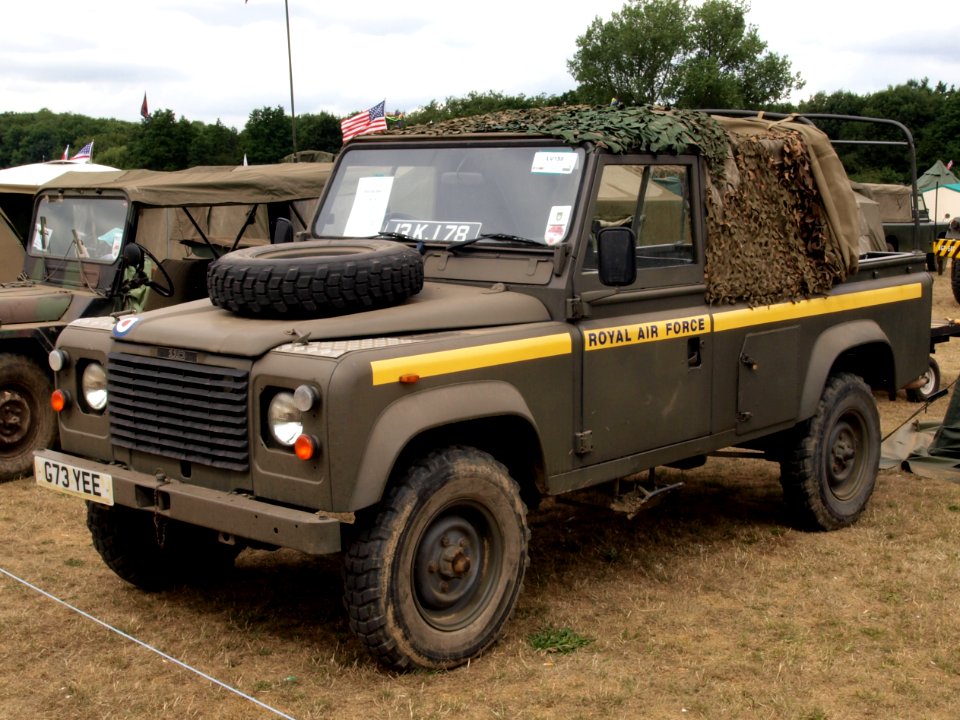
{"type": "Point", "coordinates": [181, 410]}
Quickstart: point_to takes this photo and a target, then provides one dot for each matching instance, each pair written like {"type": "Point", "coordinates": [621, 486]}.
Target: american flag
{"type": "Point", "coordinates": [85, 152]}
{"type": "Point", "coordinates": [364, 122]}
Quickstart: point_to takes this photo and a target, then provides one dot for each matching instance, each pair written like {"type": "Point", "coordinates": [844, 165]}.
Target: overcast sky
{"type": "Point", "coordinates": [219, 59]}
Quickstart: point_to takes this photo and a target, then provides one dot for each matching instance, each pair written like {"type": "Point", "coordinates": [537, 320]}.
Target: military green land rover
{"type": "Point", "coordinates": [512, 307]}
{"type": "Point", "coordinates": [86, 258]}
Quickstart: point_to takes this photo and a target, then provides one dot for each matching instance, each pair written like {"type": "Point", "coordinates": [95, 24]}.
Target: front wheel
{"type": "Point", "coordinates": [432, 577]}
{"type": "Point", "coordinates": [830, 472]}
{"type": "Point", "coordinates": [27, 422]}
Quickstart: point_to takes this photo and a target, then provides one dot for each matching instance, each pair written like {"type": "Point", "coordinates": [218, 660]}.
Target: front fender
{"type": "Point", "coordinates": [408, 417]}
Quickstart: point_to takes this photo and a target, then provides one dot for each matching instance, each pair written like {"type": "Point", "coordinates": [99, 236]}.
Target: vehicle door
{"type": "Point", "coordinates": [647, 347]}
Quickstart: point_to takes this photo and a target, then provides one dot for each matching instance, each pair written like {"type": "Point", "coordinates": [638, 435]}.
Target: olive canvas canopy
{"type": "Point", "coordinates": [207, 185]}
{"type": "Point", "coordinates": [894, 200]}
{"type": "Point", "coordinates": [186, 214]}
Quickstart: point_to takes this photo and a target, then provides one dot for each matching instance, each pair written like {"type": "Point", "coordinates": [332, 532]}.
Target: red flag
{"type": "Point", "coordinates": [364, 122]}
{"type": "Point", "coordinates": [144, 113]}
{"type": "Point", "coordinates": [949, 164]}
{"type": "Point", "coordinates": [66, 152]}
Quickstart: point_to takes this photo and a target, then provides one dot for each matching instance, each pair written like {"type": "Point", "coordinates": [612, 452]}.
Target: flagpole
{"type": "Point", "coordinates": [293, 113]}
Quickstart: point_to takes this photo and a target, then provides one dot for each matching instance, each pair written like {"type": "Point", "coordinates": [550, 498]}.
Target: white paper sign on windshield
{"type": "Point", "coordinates": [369, 206]}
{"type": "Point", "coordinates": [554, 162]}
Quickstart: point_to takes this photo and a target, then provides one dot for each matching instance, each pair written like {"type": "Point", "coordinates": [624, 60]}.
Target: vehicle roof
{"type": "Point", "coordinates": [206, 185]}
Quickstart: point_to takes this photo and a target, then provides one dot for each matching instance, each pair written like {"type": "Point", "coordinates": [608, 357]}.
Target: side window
{"type": "Point", "coordinates": [654, 202]}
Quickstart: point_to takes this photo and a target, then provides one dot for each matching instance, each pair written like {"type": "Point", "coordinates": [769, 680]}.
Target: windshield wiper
{"type": "Point", "coordinates": [502, 237]}
{"type": "Point", "coordinates": [394, 236]}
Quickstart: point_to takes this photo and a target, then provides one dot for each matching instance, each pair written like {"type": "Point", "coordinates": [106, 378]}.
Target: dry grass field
{"type": "Point", "coordinates": [706, 606]}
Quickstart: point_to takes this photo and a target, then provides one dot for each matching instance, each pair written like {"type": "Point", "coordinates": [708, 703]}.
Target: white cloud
{"type": "Point", "coordinates": [220, 59]}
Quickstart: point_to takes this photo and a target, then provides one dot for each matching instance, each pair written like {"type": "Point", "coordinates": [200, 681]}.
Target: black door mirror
{"type": "Point", "coordinates": [616, 256]}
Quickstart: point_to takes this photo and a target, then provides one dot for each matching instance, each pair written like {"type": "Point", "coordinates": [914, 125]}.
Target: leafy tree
{"type": "Point", "coordinates": [163, 142]}
{"type": "Point", "coordinates": [665, 52]}
{"type": "Point", "coordinates": [319, 132]}
{"type": "Point", "coordinates": [267, 137]}
{"type": "Point", "coordinates": [214, 145]}
{"type": "Point", "coordinates": [477, 104]}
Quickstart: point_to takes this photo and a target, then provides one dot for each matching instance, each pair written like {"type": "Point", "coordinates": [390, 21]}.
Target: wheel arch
{"type": "Point", "coordinates": [860, 347]}
{"type": "Point", "coordinates": [481, 415]}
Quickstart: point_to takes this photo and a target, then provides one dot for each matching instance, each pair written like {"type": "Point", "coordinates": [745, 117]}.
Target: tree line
{"type": "Point", "coordinates": [651, 52]}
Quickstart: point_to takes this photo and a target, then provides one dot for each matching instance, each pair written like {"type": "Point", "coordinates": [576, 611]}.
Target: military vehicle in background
{"type": "Point", "coordinates": [109, 242]}
{"type": "Point", "coordinates": [906, 222]}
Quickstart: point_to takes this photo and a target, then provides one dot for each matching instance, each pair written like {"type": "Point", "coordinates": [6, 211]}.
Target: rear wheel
{"type": "Point", "coordinates": [830, 472]}
{"type": "Point", "coordinates": [431, 579]}
{"type": "Point", "coordinates": [931, 384]}
{"type": "Point", "coordinates": [27, 422]}
{"type": "Point", "coordinates": [153, 552]}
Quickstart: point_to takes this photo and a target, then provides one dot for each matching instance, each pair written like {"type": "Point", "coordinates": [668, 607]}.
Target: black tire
{"type": "Point", "coordinates": [317, 277]}
{"type": "Point", "coordinates": [830, 472]}
{"type": "Point", "coordinates": [27, 422]}
{"type": "Point", "coordinates": [431, 578]}
{"type": "Point", "coordinates": [955, 279]}
{"type": "Point", "coordinates": [930, 386]}
{"type": "Point", "coordinates": [156, 553]}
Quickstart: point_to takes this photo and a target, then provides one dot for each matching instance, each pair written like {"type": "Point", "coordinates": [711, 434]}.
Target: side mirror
{"type": "Point", "coordinates": [616, 256]}
{"type": "Point", "coordinates": [282, 232]}
{"type": "Point", "coordinates": [133, 256]}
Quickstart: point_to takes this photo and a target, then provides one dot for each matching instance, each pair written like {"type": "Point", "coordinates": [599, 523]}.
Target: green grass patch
{"type": "Point", "coordinates": [558, 640]}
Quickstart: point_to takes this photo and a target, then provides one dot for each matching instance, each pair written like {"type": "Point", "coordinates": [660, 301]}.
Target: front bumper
{"type": "Point", "coordinates": [229, 513]}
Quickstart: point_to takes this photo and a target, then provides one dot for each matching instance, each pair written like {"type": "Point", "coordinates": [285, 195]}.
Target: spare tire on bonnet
{"type": "Point", "coordinates": [315, 277]}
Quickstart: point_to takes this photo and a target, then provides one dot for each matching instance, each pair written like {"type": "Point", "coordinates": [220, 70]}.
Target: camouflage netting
{"type": "Point", "coordinates": [773, 233]}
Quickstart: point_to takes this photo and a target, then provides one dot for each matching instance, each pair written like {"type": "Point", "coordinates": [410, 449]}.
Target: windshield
{"type": "Point", "coordinates": [89, 228]}
{"type": "Point", "coordinates": [452, 194]}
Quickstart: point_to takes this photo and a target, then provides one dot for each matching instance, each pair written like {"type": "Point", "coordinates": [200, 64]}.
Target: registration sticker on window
{"type": "Point", "coordinates": [554, 162]}
{"type": "Point", "coordinates": [557, 224]}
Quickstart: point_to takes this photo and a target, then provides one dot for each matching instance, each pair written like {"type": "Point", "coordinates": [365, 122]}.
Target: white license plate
{"type": "Point", "coordinates": [73, 480]}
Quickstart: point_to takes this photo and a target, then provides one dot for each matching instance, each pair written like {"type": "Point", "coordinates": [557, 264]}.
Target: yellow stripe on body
{"type": "Point", "coordinates": [451, 361]}
{"type": "Point", "coordinates": [733, 319]}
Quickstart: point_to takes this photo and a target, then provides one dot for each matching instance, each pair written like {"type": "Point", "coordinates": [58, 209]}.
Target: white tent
{"type": "Point", "coordinates": [943, 202]}
{"type": "Point", "coordinates": [27, 178]}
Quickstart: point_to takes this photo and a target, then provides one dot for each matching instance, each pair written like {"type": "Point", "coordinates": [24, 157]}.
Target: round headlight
{"type": "Point", "coordinates": [283, 419]}
{"type": "Point", "coordinates": [93, 384]}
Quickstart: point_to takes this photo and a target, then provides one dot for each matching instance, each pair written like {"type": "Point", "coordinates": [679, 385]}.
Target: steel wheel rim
{"type": "Point", "coordinates": [844, 457]}
{"type": "Point", "coordinates": [456, 566]}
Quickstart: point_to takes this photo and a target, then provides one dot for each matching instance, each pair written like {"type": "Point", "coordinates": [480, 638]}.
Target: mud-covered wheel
{"type": "Point", "coordinates": [27, 422]}
{"type": "Point", "coordinates": [931, 384]}
{"type": "Point", "coordinates": [431, 578]}
{"type": "Point", "coordinates": [830, 472]}
{"type": "Point", "coordinates": [955, 279]}
{"type": "Point", "coordinates": [154, 552]}
{"type": "Point", "coordinates": [317, 277]}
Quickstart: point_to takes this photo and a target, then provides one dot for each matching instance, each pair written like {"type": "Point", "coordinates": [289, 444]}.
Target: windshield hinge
{"type": "Point", "coordinates": [583, 442]}
{"type": "Point", "coordinates": [574, 308]}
